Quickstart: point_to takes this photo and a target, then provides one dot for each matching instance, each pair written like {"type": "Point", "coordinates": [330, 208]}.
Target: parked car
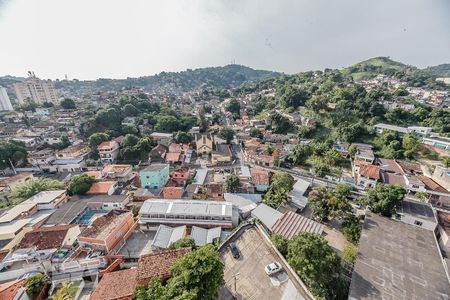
{"type": "Point", "coordinates": [273, 268]}
{"type": "Point", "coordinates": [234, 250]}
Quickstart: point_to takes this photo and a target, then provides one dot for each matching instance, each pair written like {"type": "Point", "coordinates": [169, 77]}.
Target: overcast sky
{"type": "Point", "coordinates": [88, 39]}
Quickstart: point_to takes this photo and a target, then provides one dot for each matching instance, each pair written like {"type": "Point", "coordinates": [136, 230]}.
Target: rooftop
{"type": "Point", "coordinates": [115, 168]}
{"type": "Point", "coordinates": [167, 235]}
{"type": "Point", "coordinates": [45, 197]}
{"type": "Point", "coordinates": [45, 237]}
{"type": "Point", "coordinates": [292, 224]}
{"type": "Point", "coordinates": [204, 236]}
{"type": "Point", "coordinates": [397, 261]}
{"type": "Point", "coordinates": [158, 264]}
{"type": "Point", "coordinates": [104, 225]}
{"type": "Point", "coordinates": [267, 215]}
{"type": "Point", "coordinates": [260, 176]}
{"type": "Point", "coordinates": [370, 171]}
{"type": "Point", "coordinates": [155, 168]}
{"type": "Point", "coordinates": [101, 187]}
{"type": "Point", "coordinates": [186, 207]}
{"type": "Point", "coordinates": [116, 285]}
{"type": "Point", "coordinates": [108, 145]}
{"type": "Point", "coordinates": [444, 220]}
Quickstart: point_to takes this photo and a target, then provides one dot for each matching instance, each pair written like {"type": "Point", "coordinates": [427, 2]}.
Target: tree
{"type": "Point", "coordinates": [183, 243]}
{"type": "Point", "coordinates": [232, 184]}
{"type": "Point", "coordinates": [300, 154]}
{"type": "Point", "coordinates": [317, 103]}
{"type": "Point", "coordinates": [280, 123]}
{"type": "Point", "coordinates": [34, 186]}
{"type": "Point", "coordinates": [130, 140]}
{"type": "Point", "coordinates": [255, 132]}
{"type": "Point", "coordinates": [282, 180]}
{"type": "Point", "coordinates": [233, 107]}
{"type": "Point", "coordinates": [167, 123]}
{"type": "Point", "coordinates": [293, 97]}
{"type": "Point", "coordinates": [280, 243]}
{"type": "Point", "coordinates": [384, 198]}
{"type": "Point", "coordinates": [80, 184]}
{"type": "Point", "coordinates": [98, 138]}
{"type": "Point", "coordinates": [155, 290]}
{"type": "Point", "coordinates": [446, 161]}
{"type": "Point", "coordinates": [68, 103]}
{"type": "Point", "coordinates": [129, 110]}
{"type": "Point", "coordinates": [350, 254]}
{"type": "Point", "coordinates": [274, 197]}
{"type": "Point", "coordinates": [410, 144]}
{"type": "Point", "coordinates": [343, 191]}
{"type": "Point", "coordinates": [351, 228]}
{"type": "Point", "coordinates": [315, 262]}
{"type": "Point", "coordinates": [68, 291]}
{"type": "Point", "coordinates": [202, 122]}
{"type": "Point", "coordinates": [327, 205]}
{"type": "Point", "coordinates": [227, 134]}
{"type": "Point", "coordinates": [34, 284]}
{"type": "Point", "coordinates": [12, 152]}
{"type": "Point", "coordinates": [183, 138]}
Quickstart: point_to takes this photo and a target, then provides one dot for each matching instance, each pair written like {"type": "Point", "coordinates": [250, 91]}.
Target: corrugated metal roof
{"type": "Point", "coordinates": [292, 223]}
{"type": "Point", "coordinates": [167, 235]}
{"type": "Point", "coordinates": [204, 236]}
{"type": "Point", "coordinates": [267, 215]}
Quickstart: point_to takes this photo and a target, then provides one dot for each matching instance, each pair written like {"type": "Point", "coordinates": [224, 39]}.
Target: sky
{"type": "Point", "coordinates": [89, 39]}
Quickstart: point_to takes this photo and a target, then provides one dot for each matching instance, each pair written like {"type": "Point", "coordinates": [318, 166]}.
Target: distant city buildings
{"type": "Point", "coordinates": [35, 90]}
{"type": "Point", "coordinates": [5, 103]}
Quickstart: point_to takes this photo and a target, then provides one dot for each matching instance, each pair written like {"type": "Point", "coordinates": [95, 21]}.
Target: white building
{"type": "Point", "coordinates": [5, 103]}
{"type": "Point", "coordinates": [35, 90]}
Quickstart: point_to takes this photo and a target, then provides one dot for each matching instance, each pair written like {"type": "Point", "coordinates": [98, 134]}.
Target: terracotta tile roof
{"type": "Point", "coordinates": [115, 168]}
{"type": "Point", "coordinates": [260, 176]}
{"type": "Point", "coordinates": [173, 156]}
{"type": "Point", "coordinates": [116, 285]}
{"type": "Point", "coordinates": [8, 290]}
{"type": "Point", "coordinates": [100, 187]}
{"type": "Point", "coordinates": [158, 264]}
{"type": "Point", "coordinates": [172, 192]}
{"type": "Point", "coordinates": [389, 165]}
{"type": "Point", "coordinates": [214, 188]}
{"type": "Point", "coordinates": [359, 163]}
{"type": "Point", "coordinates": [108, 145]}
{"type": "Point", "coordinates": [104, 225]}
{"type": "Point", "coordinates": [431, 184]}
{"type": "Point", "coordinates": [370, 171]}
{"type": "Point", "coordinates": [292, 223]}
{"type": "Point", "coordinates": [45, 237]}
{"type": "Point", "coordinates": [159, 150]}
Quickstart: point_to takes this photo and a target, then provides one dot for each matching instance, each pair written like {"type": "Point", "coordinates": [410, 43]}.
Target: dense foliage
{"type": "Point", "coordinates": [80, 184]}
{"type": "Point", "coordinates": [34, 284]}
{"type": "Point", "coordinates": [12, 152]}
{"type": "Point", "coordinates": [232, 184]}
{"type": "Point", "coordinates": [383, 199]}
{"type": "Point", "coordinates": [34, 186]}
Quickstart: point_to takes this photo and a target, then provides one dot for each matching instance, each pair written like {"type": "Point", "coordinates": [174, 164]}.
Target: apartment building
{"type": "Point", "coordinates": [5, 103]}
{"type": "Point", "coordinates": [35, 90]}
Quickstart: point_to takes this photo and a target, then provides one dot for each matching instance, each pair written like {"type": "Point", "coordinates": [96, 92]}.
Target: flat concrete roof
{"type": "Point", "coordinates": [397, 261]}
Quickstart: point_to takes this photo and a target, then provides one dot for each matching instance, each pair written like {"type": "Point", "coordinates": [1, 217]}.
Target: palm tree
{"type": "Point", "coordinates": [66, 292]}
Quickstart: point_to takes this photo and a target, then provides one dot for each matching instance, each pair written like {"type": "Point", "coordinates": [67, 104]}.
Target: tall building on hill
{"type": "Point", "coordinates": [5, 103]}
{"type": "Point", "coordinates": [35, 90]}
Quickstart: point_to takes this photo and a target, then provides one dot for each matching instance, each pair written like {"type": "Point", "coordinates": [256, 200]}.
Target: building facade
{"type": "Point", "coordinates": [154, 176]}
{"type": "Point", "coordinates": [35, 90]}
{"type": "Point", "coordinates": [5, 103]}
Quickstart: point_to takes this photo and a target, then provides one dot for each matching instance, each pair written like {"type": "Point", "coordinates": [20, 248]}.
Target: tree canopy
{"type": "Point", "coordinates": [232, 183]}
{"type": "Point", "coordinates": [384, 198]}
{"type": "Point", "coordinates": [68, 103]}
{"type": "Point", "coordinates": [226, 134]}
{"type": "Point", "coordinates": [13, 151]}
{"type": "Point", "coordinates": [80, 184]}
{"type": "Point", "coordinates": [34, 186]}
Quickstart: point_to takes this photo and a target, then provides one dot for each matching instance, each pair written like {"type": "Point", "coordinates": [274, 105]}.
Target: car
{"type": "Point", "coordinates": [234, 250]}
{"type": "Point", "coordinates": [273, 268]}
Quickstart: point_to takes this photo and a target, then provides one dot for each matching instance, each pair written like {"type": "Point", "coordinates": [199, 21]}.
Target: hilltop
{"type": "Point", "coordinates": [376, 66]}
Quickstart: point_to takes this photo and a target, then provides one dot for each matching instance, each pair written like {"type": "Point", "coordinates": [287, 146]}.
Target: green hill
{"type": "Point", "coordinates": [375, 66]}
{"type": "Point", "coordinates": [442, 70]}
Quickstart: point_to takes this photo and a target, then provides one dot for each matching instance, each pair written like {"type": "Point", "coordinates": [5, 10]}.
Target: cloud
{"type": "Point", "coordinates": [111, 38]}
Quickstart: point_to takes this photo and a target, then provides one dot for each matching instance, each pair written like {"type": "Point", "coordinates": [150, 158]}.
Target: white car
{"type": "Point", "coordinates": [273, 268]}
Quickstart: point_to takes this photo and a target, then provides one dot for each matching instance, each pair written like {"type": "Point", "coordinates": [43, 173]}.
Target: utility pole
{"type": "Point", "coordinates": [235, 282]}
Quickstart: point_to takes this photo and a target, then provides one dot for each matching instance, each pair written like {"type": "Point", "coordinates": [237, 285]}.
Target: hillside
{"type": "Point", "coordinates": [376, 66]}
{"type": "Point", "coordinates": [442, 70]}
{"type": "Point", "coordinates": [214, 77]}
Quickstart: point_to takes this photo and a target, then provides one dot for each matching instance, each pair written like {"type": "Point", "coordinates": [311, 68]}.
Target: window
{"type": "Point", "coordinates": [418, 223]}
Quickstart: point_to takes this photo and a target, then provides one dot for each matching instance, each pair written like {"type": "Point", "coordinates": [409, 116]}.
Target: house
{"type": "Point", "coordinates": [172, 192]}
{"type": "Point", "coordinates": [203, 236]}
{"type": "Point", "coordinates": [366, 175]}
{"type": "Point", "coordinates": [417, 213]}
{"type": "Point", "coordinates": [245, 203]}
{"type": "Point", "coordinates": [108, 151]}
{"type": "Point", "coordinates": [158, 153]}
{"type": "Point", "coordinates": [166, 235]}
{"type": "Point", "coordinates": [162, 138]}
{"type": "Point", "coordinates": [222, 154]}
{"type": "Point", "coordinates": [174, 157]}
{"type": "Point", "coordinates": [103, 188]}
{"type": "Point", "coordinates": [214, 191]}
{"type": "Point", "coordinates": [118, 285]}
{"type": "Point", "coordinates": [158, 265]}
{"type": "Point", "coordinates": [442, 176]}
{"type": "Point", "coordinates": [364, 153]}
{"type": "Point", "coordinates": [397, 261]}
{"type": "Point", "coordinates": [204, 144]}
{"type": "Point", "coordinates": [48, 199]}
{"type": "Point", "coordinates": [291, 224]}
{"type": "Point", "coordinates": [297, 195]}
{"type": "Point", "coordinates": [109, 232]}
{"type": "Point", "coordinates": [438, 142]}
{"type": "Point", "coordinates": [13, 290]}
{"type": "Point", "coordinates": [443, 230]}
{"type": "Point", "coordinates": [121, 173]}
{"type": "Point", "coordinates": [45, 241]}
{"type": "Point", "coordinates": [260, 178]}
{"type": "Point", "coordinates": [43, 159]}
{"type": "Point", "coordinates": [186, 212]}
{"type": "Point", "coordinates": [180, 176]}
{"type": "Point", "coordinates": [73, 152]}
{"type": "Point", "coordinates": [154, 176]}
